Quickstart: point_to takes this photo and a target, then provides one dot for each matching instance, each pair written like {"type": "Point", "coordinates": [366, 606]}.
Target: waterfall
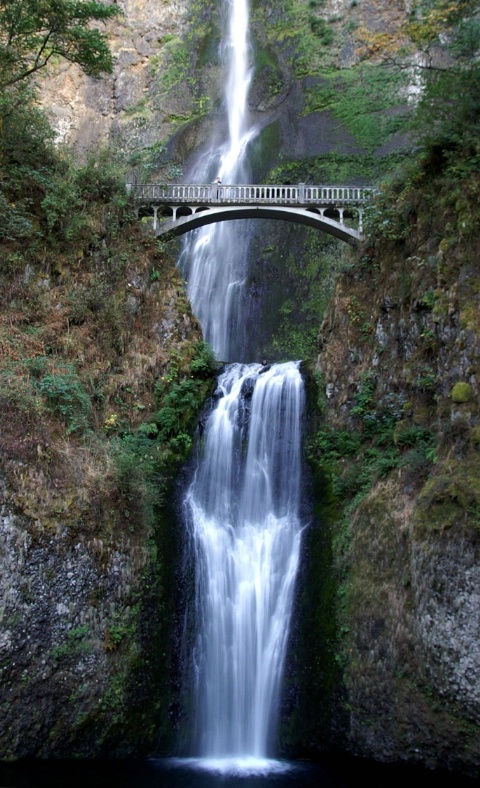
{"type": "Point", "coordinates": [244, 514]}
{"type": "Point", "coordinates": [242, 505]}
{"type": "Point", "coordinates": [213, 257]}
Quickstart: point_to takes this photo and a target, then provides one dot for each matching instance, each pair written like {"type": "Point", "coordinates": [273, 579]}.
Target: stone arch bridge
{"type": "Point", "coordinates": [176, 209]}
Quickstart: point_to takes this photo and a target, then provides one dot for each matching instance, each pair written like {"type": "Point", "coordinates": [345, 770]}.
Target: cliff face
{"type": "Point", "coordinates": [95, 343]}
{"type": "Point", "coordinates": [87, 112]}
{"type": "Point", "coordinates": [398, 449]}
{"type": "Point", "coordinates": [166, 91]}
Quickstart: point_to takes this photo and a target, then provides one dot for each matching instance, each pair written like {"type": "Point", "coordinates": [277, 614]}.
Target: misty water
{"type": "Point", "coordinates": [243, 511]}
{"type": "Point", "coordinates": [213, 259]}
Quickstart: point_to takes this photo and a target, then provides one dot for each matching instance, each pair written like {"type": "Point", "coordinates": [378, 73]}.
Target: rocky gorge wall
{"type": "Point", "coordinates": [398, 464]}
{"type": "Point", "coordinates": [101, 378]}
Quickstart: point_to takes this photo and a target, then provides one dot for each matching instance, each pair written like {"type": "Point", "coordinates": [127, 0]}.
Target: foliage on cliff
{"type": "Point", "coordinates": [102, 373]}
{"type": "Point", "coordinates": [423, 227]}
{"type": "Point", "coordinates": [396, 453]}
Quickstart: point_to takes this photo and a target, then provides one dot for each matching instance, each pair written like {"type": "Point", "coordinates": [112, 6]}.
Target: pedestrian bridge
{"type": "Point", "coordinates": [176, 209]}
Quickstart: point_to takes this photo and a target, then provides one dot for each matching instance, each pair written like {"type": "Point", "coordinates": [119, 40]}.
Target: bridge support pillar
{"type": "Point", "coordinates": [155, 216]}
{"type": "Point", "coordinates": [360, 220]}
{"type": "Point", "coordinates": [340, 211]}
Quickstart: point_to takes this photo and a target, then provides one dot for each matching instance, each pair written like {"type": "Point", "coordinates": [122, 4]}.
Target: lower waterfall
{"type": "Point", "coordinates": [243, 512]}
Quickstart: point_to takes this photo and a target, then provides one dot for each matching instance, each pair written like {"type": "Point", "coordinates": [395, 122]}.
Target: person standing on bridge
{"type": "Point", "coordinates": [217, 183]}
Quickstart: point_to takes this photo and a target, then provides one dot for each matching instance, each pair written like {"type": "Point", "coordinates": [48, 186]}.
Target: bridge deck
{"type": "Point", "coordinates": [247, 194]}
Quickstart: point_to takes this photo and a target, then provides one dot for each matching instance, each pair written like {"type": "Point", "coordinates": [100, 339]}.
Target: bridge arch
{"type": "Point", "coordinates": [210, 215]}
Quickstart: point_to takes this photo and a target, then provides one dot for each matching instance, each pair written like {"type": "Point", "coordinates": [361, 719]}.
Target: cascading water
{"type": "Point", "coordinates": [244, 511]}
{"type": "Point", "coordinates": [213, 258]}
{"type": "Point", "coordinates": [242, 506]}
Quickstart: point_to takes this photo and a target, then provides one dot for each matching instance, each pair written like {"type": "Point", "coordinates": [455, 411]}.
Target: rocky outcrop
{"type": "Point", "coordinates": [88, 112]}
{"type": "Point", "coordinates": [69, 609]}
{"type": "Point", "coordinates": [88, 552]}
{"type": "Point", "coordinates": [399, 361]}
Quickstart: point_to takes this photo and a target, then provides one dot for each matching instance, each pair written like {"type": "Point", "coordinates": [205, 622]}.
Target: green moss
{"type": "Point", "coordinates": [147, 458]}
{"type": "Point", "coordinates": [461, 392]}
{"type": "Point", "coordinates": [450, 498]}
{"type": "Point", "coordinates": [264, 151]}
{"type": "Point", "coordinates": [297, 294]}
{"type": "Point", "coordinates": [360, 98]}
{"type": "Point", "coordinates": [334, 168]}
{"type": "Point", "coordinates": [315, 674]}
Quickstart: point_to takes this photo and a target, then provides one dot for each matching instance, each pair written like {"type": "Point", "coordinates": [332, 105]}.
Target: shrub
{"type": "Point", "coordinates": [64, 393]}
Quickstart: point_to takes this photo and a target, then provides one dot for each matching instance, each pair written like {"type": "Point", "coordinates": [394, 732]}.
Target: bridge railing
{"type": "Point", "coordinates": [286, 194]}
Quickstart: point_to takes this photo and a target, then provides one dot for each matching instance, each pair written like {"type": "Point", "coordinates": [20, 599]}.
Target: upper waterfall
{"type": "Point", "coordinates": [213, 258]}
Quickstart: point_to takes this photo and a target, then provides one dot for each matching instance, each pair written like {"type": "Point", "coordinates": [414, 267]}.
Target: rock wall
{"type": "Point", "coordinates": [67, 605]}
{"type": "Point", "coordinates": [398, 364]}
{"type": "Point", "coordinates": [86, 111]}
{"type": "Point", "coordinates": [91, 346]}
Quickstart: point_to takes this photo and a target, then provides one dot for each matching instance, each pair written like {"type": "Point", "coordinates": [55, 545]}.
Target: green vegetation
{"type": "Point", "coordinates": [309, 40]}
{"type": "Point", "coordinates": [298, 298]}
{"type": "Point", "coordinates": [379, 441]}
{"type": "Point", "coordinates": [461, 392]}
{"type": "Point", "coordinates": [63, 392]}
{"type": "Point", "coordinates": [451, 498]}
{"type": "Point", "coordinates": [32, 33]}
{"type": "Point", "coordinates": [77, 642]}
{"type": "Point", "coordinates": [45, 197]}
{"type": "Point", "coordinates": [362, 98]}
{"type": "Point", "coordinates": [396, 456]}
{"type": "Point", "coordinates": [181, 58]}
{"type": "Point", "coordinates": [146, 458]}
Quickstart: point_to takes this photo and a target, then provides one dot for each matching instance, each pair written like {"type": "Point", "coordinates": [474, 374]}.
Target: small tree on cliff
{"type": "Point", "coordinates": [32, 32]}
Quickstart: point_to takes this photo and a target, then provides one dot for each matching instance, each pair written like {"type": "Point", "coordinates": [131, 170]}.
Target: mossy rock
{"type": "Point", "coordinates": [461, 392]}
{"type": "Point", "coordinates": [422, 415]}
{"type": "Point", "coordinates": [451, 498]}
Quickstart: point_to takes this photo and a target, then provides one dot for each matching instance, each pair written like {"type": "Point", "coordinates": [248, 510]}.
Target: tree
{"type": "Point", "coordinates": [34, 31]}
